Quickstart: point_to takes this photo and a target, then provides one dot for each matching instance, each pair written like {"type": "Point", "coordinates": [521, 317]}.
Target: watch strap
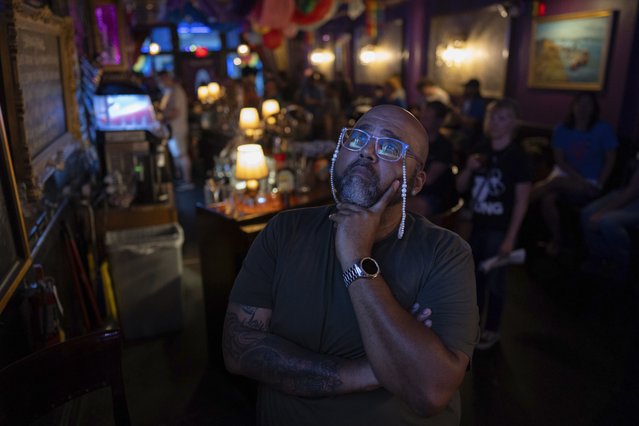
{"type": "Point", "coordinates": [356, 271]}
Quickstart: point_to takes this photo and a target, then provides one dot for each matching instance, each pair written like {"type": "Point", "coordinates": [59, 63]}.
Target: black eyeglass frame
{"type": "Point", "coordinates": [406, 151]}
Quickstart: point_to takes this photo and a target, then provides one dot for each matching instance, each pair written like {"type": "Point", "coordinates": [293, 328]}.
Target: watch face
{"type": "Point", "coordinates": [370, 266]}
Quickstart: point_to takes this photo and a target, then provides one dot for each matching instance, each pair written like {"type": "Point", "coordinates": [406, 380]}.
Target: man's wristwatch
{"type": "Point", "coordinates": [366, 268]}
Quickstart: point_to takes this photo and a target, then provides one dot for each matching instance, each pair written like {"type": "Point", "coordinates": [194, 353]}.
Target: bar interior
{"type": "Point", "coordinates": [146, 144]}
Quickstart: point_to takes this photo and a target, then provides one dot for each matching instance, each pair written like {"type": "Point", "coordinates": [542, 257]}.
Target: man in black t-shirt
{"type": "Point", "coordinates": [499, 177]}
{"type": "Point", "coordinates": [438, 193]}
{"type": "Point", "coordinates": [323, 312]}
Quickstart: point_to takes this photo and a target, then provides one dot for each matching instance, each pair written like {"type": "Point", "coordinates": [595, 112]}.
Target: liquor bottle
{"type": "Point", "coordinates": [284, 178]}
{"type": "Point", "coordinates": [210, 191]}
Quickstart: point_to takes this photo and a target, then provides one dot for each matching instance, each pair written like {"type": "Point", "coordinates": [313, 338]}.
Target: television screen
{"type": "Point", "coordinates": [160, 35]}
{"type": "Point", "coordinates": [125, 112]}
{"type": "Point", "coordinates": [194, 35]}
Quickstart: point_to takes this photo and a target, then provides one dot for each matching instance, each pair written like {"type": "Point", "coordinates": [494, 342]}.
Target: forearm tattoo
{"type": "Point", "coordinates": [275, 361]}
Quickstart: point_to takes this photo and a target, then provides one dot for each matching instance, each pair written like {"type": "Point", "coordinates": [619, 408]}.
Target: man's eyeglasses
{"type": "Point", "coordinates": [387, 149]}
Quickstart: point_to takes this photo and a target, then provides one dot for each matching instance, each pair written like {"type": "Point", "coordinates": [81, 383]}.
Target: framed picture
{"type": "Point", "coordinates": [41, 84]}
{"type": "Point", "coordinates": [109, 35]}
{"type": "Point", "coordinates": [570, 51]}
{"type": "Point", "coordinates": [14, 250]}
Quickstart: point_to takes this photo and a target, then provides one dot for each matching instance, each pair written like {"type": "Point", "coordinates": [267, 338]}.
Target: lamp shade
{"type": "Point", "coordinates": [202, 93]}
{"type": "Point", "coordinates": [249, 118]}
{"type": "Point", "coordinates": [214, 90]}
{"type": "Point", "coordinates": [251, 163]}
{"type": "Point", "coordinates": [270, 107]}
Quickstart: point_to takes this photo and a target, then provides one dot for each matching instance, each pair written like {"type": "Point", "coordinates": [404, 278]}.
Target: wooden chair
{"type": "Point", "coordinates": [33, 386]}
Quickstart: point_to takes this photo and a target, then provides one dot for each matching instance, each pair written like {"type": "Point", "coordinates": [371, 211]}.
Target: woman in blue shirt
{"type": "Point", "coordinates": [584, 148]}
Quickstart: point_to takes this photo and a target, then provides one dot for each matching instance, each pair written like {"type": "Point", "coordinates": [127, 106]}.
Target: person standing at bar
{"type": "Point", "coordinates": [438, 193]}
{"type": "Point", "coordinates": [329, 309]}
{"type": "Point", "coordinates": [175, 110]}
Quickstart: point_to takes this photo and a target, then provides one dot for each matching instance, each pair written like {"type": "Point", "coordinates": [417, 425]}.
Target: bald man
{"type": "Point", "coordinates": [357, 313]}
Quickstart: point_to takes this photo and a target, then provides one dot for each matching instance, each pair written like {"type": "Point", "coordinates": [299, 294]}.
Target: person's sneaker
{"type": "Point", "coordinates": [487, 340]}
{"type": "Point", "coordinates": [184, 186]}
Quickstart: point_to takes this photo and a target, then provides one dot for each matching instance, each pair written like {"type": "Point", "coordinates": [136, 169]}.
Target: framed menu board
{"type": "Point", "coordinates": [46, 126]}
{"type": "Point", "coordinates": [14, 249]}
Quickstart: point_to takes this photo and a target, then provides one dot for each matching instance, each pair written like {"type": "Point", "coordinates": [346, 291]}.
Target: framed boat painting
{"type": "Point", "coordinates": [570, 51]}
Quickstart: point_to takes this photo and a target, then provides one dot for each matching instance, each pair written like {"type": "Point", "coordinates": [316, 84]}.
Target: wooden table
{"type": "Point", "coordinates": [224, 241]}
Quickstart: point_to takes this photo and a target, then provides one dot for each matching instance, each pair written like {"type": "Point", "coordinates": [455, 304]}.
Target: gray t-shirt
{"type": "Point", "coordinates": [292, 269]}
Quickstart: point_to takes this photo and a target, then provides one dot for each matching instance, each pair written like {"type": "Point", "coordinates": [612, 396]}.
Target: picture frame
{"type": "Point", "coordinates": [15, 259]}
{"type": "Point", "coordinates": [109, 35]}
{"type": "Point", "coordinates": [41, 84]}
{"type": "Point", "coordinates": [570, 51]}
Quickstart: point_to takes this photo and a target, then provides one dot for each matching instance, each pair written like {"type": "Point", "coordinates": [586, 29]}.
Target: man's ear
{"type": "Point", "coordinates": [418, 183]}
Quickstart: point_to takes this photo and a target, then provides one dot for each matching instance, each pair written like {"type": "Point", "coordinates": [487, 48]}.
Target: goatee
{"type": "Point", "coordinates": [353, 188]}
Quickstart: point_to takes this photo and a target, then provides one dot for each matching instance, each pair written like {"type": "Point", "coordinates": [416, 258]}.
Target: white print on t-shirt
{"type": "Point", "coordinates": [492, 185]}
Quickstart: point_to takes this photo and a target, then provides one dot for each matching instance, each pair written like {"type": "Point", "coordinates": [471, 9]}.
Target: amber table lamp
{"type": "Point", "coordinates": [250, 123]}
{"type": "Point", "coordinates": [214, 91]}
{"type": "Point", "coordinates": [202, 94]}
{"type": "Point", "coordinates": [251, 166]}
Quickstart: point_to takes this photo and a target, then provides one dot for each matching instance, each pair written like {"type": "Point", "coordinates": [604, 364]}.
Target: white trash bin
{"type": "Point", "coordinates": [146, 270]}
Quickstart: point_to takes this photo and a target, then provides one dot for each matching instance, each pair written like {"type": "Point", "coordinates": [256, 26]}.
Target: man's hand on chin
{"type": "Point", "coordinates": [357, 227]}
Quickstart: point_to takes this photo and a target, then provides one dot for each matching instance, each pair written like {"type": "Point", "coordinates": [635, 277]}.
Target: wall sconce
{"type": "Point", "coordinates": [321, 56]}
{"type": "Point", "coordinates": [453, 54]}
{"type": "Point", "coordinates": [251, 166]}
{"type": "Point", "coordinates": [250, 122]}
{"type": "Point", "coordinates": [371, 54]}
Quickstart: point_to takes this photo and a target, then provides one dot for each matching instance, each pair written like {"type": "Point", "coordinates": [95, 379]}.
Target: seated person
{"type": "Point", "coordinates": [605, 224]}
{"type": "Point", "coordinates": [584, 150]}
{"type": "Point", "coordinates": [326, 312]}
{"type": "Point", "coordinates": [438, 192]}
{"type": "Point", "coordinates": [432, 92]}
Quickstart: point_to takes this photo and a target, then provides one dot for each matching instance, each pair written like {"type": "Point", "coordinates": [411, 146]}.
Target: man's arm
{"type": "Point", "coordinates": [409, 360]}
{"type": "Point", "coordinates": [629, 193]}
{"type": "Point", "coordinates": [171, 114]}
{"type": "Point", "coordinates": [250, 350]}
{"type": "Point", "coordinates": [463, 179]}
